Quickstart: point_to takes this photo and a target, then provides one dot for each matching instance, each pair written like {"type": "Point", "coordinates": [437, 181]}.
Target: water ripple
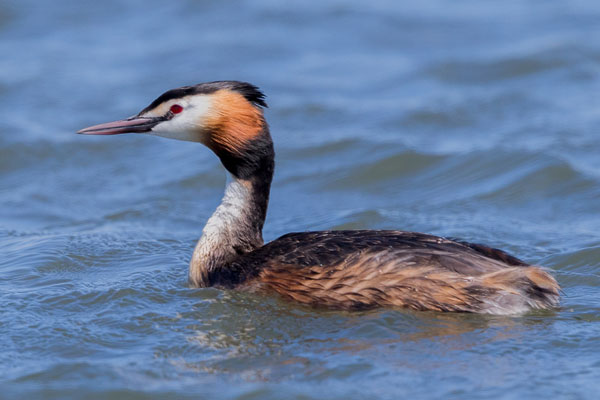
{"type": "Point", "coordinates": [476, 121]}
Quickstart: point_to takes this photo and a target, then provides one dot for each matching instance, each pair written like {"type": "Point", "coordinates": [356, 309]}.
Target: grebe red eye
{"type": "Point", "coordinates": [176, 109]}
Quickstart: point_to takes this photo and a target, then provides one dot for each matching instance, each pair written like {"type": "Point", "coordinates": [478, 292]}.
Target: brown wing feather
{"type": "Point", "coordinates": [365, 269]}
{"type": "Point", "coordinates": [493, 253]}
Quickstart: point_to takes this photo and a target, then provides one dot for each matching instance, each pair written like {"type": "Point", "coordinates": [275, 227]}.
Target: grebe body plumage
{"type": "Point", "coordinates": [357, 269]}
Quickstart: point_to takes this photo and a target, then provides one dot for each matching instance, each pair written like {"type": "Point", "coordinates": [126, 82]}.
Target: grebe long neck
{"type": "Point", "coordinates": [235, 228]}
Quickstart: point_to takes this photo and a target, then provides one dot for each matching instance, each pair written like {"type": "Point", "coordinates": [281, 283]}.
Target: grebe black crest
{"type": "Point", "coordinates": [358, 269]}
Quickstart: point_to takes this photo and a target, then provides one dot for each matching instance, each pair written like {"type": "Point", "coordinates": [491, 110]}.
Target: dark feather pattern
{"type": "Point", "coordinates": [248, 90]}
{"type": "Point", "coordinates": [366, 269]}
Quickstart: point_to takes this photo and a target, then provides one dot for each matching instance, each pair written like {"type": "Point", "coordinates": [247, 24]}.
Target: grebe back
{"type": "Point", "coordinates": [358, 269]}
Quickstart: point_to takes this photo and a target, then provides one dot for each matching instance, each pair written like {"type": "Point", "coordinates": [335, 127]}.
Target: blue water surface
{"type": "Point", "coordinates": [469, 119]}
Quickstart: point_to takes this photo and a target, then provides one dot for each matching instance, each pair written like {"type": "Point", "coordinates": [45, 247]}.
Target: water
{"type": "Point", "coordinates": [470, 119]}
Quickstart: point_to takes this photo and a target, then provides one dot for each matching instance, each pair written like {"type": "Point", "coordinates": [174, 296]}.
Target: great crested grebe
{"type": "Point", "coordinates": [358, 269]}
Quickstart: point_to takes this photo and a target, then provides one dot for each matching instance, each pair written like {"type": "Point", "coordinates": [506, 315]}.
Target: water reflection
{"type": "Point", "coordinates": [267, 339]}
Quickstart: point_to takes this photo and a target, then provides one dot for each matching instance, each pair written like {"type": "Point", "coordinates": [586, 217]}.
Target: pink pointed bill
{"type": "Point", "coordinates": [130, 125]}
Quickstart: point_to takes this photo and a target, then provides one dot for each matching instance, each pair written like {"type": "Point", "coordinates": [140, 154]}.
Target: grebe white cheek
{"type": "Point", "coordinates": [191, 112]}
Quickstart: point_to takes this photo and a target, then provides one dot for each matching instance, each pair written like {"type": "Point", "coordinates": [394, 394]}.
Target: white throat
{"type": "Point", "coordinates": [230, 211]}
{"type": "Point", "coordinates": [227, 233]}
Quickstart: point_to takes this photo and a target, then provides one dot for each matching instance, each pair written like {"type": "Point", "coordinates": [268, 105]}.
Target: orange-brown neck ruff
{"type": "Point", "coordinates": [233, 122]}
{"type": "Point", "coordinates": [239, 136]}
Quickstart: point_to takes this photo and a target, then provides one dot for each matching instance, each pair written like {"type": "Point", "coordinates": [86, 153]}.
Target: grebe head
{"type": "Point", "coordinates": [226, 116]}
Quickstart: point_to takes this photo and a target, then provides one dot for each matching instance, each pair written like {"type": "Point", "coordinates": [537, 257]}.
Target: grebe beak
{"type": "Point", "coordinates": [129, 125]}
